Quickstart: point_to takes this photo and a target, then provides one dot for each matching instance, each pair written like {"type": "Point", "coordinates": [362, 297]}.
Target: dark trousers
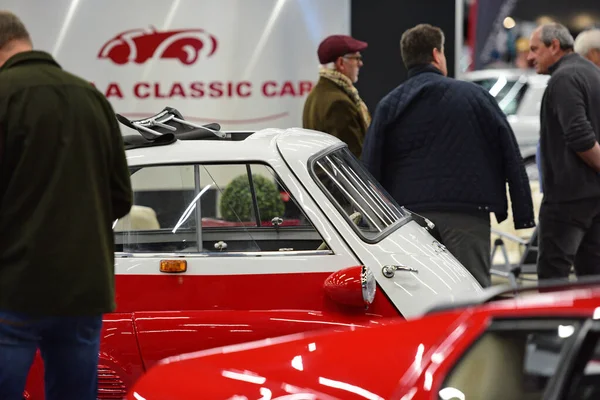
{"type": "Point", "coordinates": [467, 237]}
{"type": "Point", "coordinates": [69, 347]}
{"type": "Point", "coordinates": [569, 235]}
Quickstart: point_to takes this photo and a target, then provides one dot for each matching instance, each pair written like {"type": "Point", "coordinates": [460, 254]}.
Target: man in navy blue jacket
{"type": "Point", "coordinates": [443, 148]}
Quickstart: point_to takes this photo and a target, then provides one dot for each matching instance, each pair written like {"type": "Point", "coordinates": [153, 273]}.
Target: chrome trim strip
{"type": "Point", "coordinates": [198, 205]}
{"type": "Point", "coordinates": [226, 254]}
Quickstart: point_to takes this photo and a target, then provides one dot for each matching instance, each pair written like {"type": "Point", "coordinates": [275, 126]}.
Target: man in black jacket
{"type": "Point", "coordinates": [443, 148]}
{"type": "Point", "coordinates": [569, 231]}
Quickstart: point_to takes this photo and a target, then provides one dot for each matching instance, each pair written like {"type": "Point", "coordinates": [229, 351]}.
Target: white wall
{"type": "Point", "coordinates": [259, 42]}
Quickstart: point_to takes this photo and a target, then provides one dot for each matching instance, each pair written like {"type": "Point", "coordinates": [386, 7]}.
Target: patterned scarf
{"type": "Point", "coordinates": [346, 85]}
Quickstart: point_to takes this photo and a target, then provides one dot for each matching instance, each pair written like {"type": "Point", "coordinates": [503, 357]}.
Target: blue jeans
{"type": "Point", "coordinates": [69, 347]}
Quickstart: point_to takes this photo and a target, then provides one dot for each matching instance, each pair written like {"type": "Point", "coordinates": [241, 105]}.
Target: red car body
{"type": "Point", "coordinates": [133, 341]}
{"type": "Point", "coordinates": [405, 360]}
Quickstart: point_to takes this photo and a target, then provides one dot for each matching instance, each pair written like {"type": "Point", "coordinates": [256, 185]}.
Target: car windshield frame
{"type": "Point", "coordinates": [360, 173]}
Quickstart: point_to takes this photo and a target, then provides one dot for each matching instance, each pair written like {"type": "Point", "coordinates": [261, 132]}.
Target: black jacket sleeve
{"type": "Point", "coordinates": [568, 94]}
{"type": "Point", "coordinates": [372, 153]}
{"type": "Point", "coordinates": [513, 166]}
{"type": "Point", "coordinates": [120, 182]}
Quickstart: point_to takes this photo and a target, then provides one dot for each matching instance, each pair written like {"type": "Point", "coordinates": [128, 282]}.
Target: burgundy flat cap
{"type": "Point", "coordinates": [336, 46]}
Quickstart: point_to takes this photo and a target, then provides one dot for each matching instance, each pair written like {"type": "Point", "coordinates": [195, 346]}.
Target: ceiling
{"type": "Point", "coordinates": [576, 14]}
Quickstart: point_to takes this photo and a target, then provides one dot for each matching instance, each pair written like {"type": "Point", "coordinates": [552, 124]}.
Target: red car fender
{"type": "Point", "coordinates": [225, 384]}
{"type": "Point", "coordinates": [120, 363]}
{"type": "Point", "coordinates": [192, 331]}
{"type": "Point", "coordinates": [347, 365]}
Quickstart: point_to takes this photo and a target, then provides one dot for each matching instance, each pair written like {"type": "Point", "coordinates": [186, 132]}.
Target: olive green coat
{"type": "Point", "coordinates": [328, 108]}
{"type": "Point", "coordinates": [63, 181]}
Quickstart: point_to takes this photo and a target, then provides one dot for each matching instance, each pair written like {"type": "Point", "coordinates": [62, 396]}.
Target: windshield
{"type": "Point", "coordinates": [358, 196]}
{"type": "Point", "coordinates": [507, 92]}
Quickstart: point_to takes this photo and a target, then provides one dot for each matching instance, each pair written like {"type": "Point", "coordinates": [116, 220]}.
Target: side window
{"type": "Point", "coordinates": [356, 194]}
{"type": "Point", "coordinates": [161, 219]}
{"type": "Point", "coordinates": [224, 208]}
{"type": "Point", "coordinates": [513, 360]}
{"type": "Point", "coordinates": [252, 201]}
{"type": "Point", "coordinates": [232, 203]}
{"type": "Point", "coordinates": [291, 214]}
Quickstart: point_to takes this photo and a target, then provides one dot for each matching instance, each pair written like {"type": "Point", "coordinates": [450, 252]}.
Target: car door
{"type": "Point", "coordinates": [415, 270]}
{"type": "Point", "coordinates": [220, 254]}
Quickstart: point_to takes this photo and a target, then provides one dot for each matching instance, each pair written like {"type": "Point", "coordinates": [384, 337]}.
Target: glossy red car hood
{"type": "Point", "coordinates": [352, 363]}
{"type": "Point", "coordinates": [348, 365]}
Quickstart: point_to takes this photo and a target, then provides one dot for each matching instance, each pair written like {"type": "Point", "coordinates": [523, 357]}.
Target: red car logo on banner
{"type": "Point", "coordinates": [139, 45]}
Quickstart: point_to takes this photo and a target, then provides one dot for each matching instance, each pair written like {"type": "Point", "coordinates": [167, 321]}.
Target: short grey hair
{"type": "Point", "coordinates": [11, 29]}
{"type": "Point", "coordinates": [587, 40]}
{"type": "Point", "coordinates": [559, 32]}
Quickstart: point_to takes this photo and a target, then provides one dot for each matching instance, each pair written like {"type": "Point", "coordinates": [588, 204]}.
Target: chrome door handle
{"type": "Point", "coordinates": [389, 270]}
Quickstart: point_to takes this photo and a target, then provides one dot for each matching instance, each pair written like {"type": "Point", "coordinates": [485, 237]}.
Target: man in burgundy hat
{"type": "Point", "coordinates": [334, 105]}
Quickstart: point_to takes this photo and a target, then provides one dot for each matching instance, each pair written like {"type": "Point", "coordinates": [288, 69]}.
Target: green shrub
{"type": "Point", "coordinates": [237, 199]}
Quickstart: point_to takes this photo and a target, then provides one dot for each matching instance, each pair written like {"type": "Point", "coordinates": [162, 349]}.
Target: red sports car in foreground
{"type": "Point", "coordinates": [533, 346]}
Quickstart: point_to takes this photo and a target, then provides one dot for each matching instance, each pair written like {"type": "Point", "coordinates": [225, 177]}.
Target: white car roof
{"type": "Point", "coordinates": [259, 146]}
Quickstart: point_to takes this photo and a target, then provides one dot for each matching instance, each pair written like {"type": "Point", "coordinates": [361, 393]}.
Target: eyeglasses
{"type": "Point", "coordinates": [358, 58]}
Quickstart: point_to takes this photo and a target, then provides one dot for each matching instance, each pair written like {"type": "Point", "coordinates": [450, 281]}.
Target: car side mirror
{"type": "Point", "coordinates": [354, 286]}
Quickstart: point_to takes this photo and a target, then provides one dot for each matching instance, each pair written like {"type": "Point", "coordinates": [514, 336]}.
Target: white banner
{"type": "Point", "coordinates": [246, 64]}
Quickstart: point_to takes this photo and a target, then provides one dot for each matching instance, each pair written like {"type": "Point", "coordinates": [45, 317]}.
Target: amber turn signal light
{"type": "Point", "coordinates": [173, 265]}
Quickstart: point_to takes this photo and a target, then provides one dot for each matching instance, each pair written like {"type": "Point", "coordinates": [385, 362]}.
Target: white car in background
{"type": "Point", "coordinates": [519, 94]}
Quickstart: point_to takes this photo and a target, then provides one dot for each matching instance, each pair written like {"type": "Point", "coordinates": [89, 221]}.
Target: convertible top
{"type": "Point", "coordinates": [168, 126]}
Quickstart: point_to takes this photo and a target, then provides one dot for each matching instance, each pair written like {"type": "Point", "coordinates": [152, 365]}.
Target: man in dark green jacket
{"type": "Point", "coordinates": [334, 106]}
{"type": "Point", "coordinates": [63, 181]}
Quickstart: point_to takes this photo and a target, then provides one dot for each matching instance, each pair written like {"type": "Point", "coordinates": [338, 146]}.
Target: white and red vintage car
{"type": "Point", "coordinates": [240, 236]}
